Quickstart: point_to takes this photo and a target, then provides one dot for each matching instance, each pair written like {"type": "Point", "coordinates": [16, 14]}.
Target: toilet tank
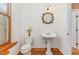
{"type": "Point", "coordinates": [29, 40]}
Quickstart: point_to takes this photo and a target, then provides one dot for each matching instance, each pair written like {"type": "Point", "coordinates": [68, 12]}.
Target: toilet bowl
{"type": "Point", "coordinates": [26, 48]}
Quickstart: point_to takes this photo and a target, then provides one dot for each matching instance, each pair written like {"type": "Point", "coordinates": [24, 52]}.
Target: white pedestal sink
{"type": "Point", "coordinates": [48, 37]}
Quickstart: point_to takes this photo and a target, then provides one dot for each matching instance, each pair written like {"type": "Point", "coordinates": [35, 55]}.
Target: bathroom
{"type": "Point", "coordinates": [26, 15]}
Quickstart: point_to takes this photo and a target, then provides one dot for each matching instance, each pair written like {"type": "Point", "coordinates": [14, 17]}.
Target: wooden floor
{"type": "Point", "coordinates": [41, 51]}
{"type": "Point", "coordinates": [75, 51]}
{"type": "Point", "coordinates": [55, 51]}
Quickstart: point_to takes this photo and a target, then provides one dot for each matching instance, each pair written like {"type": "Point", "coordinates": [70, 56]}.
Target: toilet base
{"type": "Point", "coordinates": [28, 53]}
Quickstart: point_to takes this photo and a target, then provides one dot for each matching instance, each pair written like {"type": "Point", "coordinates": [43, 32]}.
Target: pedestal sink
{"type": "Point", "coordinates": [48, 37]}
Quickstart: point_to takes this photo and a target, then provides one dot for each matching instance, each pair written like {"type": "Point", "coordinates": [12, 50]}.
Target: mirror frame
{"type": "Point", "coordinates": [9, 21]}
{"type": "Point", "coordinates": [44, 21]}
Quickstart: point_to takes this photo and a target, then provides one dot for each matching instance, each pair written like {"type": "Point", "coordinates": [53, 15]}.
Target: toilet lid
{"type": "Point", "coordinates": [26, 46]}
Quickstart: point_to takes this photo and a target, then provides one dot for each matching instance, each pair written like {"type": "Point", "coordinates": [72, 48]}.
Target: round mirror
{"type": "Point", "coordinates": [47, 18]}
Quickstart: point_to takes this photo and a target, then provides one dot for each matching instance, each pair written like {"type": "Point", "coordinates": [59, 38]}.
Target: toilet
{"type": "Point", "coordinates": [26, 48]}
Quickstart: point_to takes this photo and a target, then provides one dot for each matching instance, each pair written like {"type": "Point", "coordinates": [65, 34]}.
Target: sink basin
{"type": "Point", "coordinates": [48, 35]}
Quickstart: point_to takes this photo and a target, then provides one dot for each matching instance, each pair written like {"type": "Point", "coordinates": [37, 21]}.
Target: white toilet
{"type": "Point", "coordinates": [26, 48]}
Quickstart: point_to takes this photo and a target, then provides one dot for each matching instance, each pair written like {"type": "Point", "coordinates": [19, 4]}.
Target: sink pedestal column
{"type": "Point", "coordinates": [48, 52]}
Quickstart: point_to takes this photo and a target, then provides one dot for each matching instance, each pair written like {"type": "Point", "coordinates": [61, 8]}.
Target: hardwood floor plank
{"type": "Point", "coordinates": [41, 51]}
{"type": "Point", "coordinates": [75, 51]}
